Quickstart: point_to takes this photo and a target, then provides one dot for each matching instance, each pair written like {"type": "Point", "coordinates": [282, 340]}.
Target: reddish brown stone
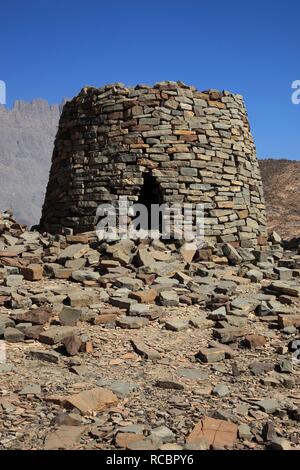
{"type": "Point", "coordinates": [87, 347]}
{"type": "Point", "coordinates": [288, 320]}
{"type": "Point", "coordinates": [146, 278]}
{"type": "Point", "coordinates": [8, 254]}
{"type": "Point", "coordinates": [33, 272]}
{"type": "Point", "coordinates": [105, 318]}
{"type": "Point", "coordinates": [124, 439]}
{"type": "Point", "coordinates": [96, 399]}
{"type": "Point", "coordinates": [255, 341]}
{"type": "Point", "coordinates": [145, 296]}
{"type": "Point", "coordinates": [39, 316]}
{"type": "Point", "coordinates": [217, 433]}
{"type": "Point", "coordinates": [72, 345]}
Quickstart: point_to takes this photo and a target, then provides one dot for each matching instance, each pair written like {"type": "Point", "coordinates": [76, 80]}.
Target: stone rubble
{"type": "Point", "coordinates": [125, 355]}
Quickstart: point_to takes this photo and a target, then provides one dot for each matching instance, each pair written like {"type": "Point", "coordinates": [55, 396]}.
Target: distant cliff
{"type": "Point", "coordinates": [281, 181]}
{"type": "Point", "coordinates": [27, 133]}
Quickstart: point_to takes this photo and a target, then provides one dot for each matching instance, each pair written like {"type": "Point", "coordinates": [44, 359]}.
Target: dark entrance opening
{"type": "Point", "coordinates": [151, 194]}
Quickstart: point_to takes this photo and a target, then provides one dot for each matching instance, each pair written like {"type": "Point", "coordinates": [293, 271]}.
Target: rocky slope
{"type": "Point", "coordinates": [281, 181]}
{"type": "Point", "coordinates": [27, 133]}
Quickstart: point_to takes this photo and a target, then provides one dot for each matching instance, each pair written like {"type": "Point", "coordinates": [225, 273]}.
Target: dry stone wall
{"type": "Point", "coordinates": [191, 146]}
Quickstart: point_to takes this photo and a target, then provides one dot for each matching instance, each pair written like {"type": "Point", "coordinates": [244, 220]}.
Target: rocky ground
{"type": "Point", "coordinates": [142, 345]}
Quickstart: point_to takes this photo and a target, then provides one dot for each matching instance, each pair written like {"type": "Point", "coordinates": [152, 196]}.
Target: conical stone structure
{"type": "Point", "coordinates": [163, 144]}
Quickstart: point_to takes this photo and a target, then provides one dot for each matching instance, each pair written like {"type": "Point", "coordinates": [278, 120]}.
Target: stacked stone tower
{"type": "Point", "coordinates": [167, 143]}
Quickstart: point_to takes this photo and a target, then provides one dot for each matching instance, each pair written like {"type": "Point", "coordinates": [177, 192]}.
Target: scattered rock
{"type": "Point", "coordinates": [268, 432]}
{"type": "Point", "coordinates": [279, 443]}
{"type": "Point", "coordinates": [221, 390]}
{"type": "Point", "coordinates": [32, 272]}
{"type": "Point", "coordinates": [56, 334]}
{"type": "Point", "coordinates": [255, 341]}
{"type": "Point", "coordinates": [64, 438]}
{"type": "Point", "coordinates": [231, 253]}
{"type": "Point", "coordinates": [192, 374]}
{"type": "Point", "coordinates": [43, 355]}
{"type": "Point", "coordinates": [124, 440]}
{"type": "Point", "coordinates": [210, 355]}
{"type": "Point", "coordinates": [169, 384]}
{"type": "Point", "coordinates": [268, 405]}
{"type": "Point", "coordinates": [132, 323]}
{"type": "Point", "coordinates": [72, 345]}
{"type": "Point", "coordinates": [31, 389]}
{"type": "Point", "coordinates": [244, 432]}
{"type": "Point", "coordinates": [141, 348]}
{"type": "Point", "coordinates": [96, 399]}
{"type": "Point", "coordinates": [13, 335]}
{"type": "Point", "coordinates": [162, 434]}
{"type": "Point", "coordinates": [176, 325]}
{"type": "Point", "coordinates": [217, 433]}
{"type": "Point", "coordinates": [38, 316]}
{"type": "Point", "coordinates": [169, 298]}
{"type": "Point", "coordinates": [69, 316]}
{"type": "Point", "coordinates": [66, 419]}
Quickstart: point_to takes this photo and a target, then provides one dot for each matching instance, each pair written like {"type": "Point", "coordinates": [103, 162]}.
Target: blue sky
{"type": "Point", "coordinates": [51, 49]}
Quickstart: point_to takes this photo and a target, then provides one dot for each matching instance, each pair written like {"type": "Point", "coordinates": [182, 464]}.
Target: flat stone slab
{"type": "Point", "coordinates": [176, 325]}
{"type": "Point", "coordinates": [122, 302]}
{"type": "Point", "coordinates": [74, 251]}
{"type": "Point", "coordinates": [85, 275]}
{"type": "Point", "coordinates": [163, 434]}
{"type": "Point", "coordinates": [96, 399]}
{"type": "Point", "coordinates": [13, 335]}
{"type": "Point", "coordinates": [56, 334]}
{"type": "Point", "coordinates": [69, 316]}
{"type": "Point", "coordinates": [268, 405]}
{"type": "Point", "coordinates": [169, 298]}
{"type": "Point", "coordinates": [38, 316]}
{"type": "Point", "coordinates": [121, 389]}
{"type": "Point", "coordinates": [286, 289]}
{"type": "Point", "coordinates": [193, 374]}
{"type": "Point", "coordinates": [221, 390]}
{"type": "Point", "coordinates": [217, 433]}
{"type": "Point", "coordinates": [132, 323]}
{"type": "Point", "coordinates": [143, 350]}
{"type": "Point", "coordinates": [138, 309]}
{"type": "Point", "coordinates": [42, 355]}
{"type": "Point", "coordinates": [63, 438]}
{"type": "Point", "coordinates": [210, 355]}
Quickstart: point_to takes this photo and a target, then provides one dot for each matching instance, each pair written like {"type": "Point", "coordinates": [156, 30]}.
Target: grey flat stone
{"type": "Point", "coordinates": [163, 434]}
{"type": "Point", "coordinates": [193, 374]}
{"type": "Point", "coordinates": [268, 405]}
{"type": "Point", "coordinates": [221, 390]}
{"type": "Point", "coordinates": [132, 323]}
{"type": "Point", "coordinates": [69, 316]}
{"type": "Point", "coordinates": [31, 389]}
{"type": "Point", "coordinates": [56, 334]}
{"type": "Point", "coordinates": [176, 325]}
